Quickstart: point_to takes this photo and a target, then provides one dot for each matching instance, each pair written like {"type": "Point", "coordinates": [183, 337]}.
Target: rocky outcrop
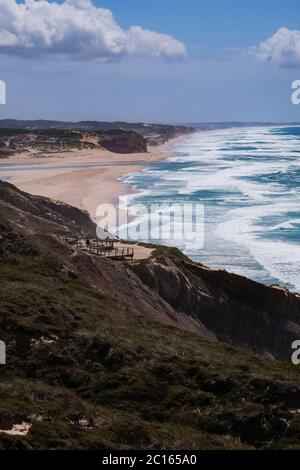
{"type": "Point", "coordinates": [235, 309]}
{"type": "Point", "coordinates": [119, 141]}
{"type": "Point", "coordinates": [34, 213]}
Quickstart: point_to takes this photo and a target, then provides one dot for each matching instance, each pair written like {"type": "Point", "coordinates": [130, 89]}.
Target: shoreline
{"type": "Point", "coordinates": [82, 178]}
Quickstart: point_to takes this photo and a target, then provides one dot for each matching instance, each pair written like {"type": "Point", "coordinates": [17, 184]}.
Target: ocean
{"type": "Point", "coordinates": [248, 180]}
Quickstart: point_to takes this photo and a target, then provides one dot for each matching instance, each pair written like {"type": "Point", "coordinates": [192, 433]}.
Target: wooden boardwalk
{"type": "Point", "coordinates": [102, 248]}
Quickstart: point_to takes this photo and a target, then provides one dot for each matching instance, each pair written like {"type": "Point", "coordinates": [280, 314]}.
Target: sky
{"type": "Point", "coordinates": [154, 61]}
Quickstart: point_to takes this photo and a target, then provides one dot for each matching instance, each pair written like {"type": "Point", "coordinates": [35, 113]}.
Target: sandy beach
{"type": "Point", "coordinates": [83, 178]}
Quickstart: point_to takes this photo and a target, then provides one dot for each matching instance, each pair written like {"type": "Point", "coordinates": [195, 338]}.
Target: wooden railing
{"type": "Point", "coordinates": [104, 248]}
{"type": "Point", "coordinates": [114, 253]}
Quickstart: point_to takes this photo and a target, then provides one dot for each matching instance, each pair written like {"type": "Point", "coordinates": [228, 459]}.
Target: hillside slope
{"type": "Point", "coordinates": [237, 310]}
{"type": "Point", "coordinates": [154, 133]}
{"type": "Point", "coordinates": [105, 355]}
{"type": "Point", "coordinates": [46, 142]}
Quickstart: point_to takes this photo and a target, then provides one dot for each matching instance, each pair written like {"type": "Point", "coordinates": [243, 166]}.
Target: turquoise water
{"type": "Point", "coordinates": [249, 182]}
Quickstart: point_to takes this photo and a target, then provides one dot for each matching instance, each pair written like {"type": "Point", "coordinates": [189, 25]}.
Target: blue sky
{"type": "Point", "coordinates": [222, 77]}
{"type": "Point", "coordinates": [213, 24]}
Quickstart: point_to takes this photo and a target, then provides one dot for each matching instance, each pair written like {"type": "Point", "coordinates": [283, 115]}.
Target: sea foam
{"type": "Point", "coordinates": [248, 180]}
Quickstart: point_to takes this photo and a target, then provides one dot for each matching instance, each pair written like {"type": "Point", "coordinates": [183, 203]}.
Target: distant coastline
{"type": "Point", "coordinates": [83, 178]}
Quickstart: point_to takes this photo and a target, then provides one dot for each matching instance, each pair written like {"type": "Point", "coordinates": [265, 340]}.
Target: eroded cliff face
{"type": "Point", "coordinates": [235, 309]}
{"type": "Point", "coordinates": [36, 214]}
{"type": "Point", "coordinates": [119, 141]}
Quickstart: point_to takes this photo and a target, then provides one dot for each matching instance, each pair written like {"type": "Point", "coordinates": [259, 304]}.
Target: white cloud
{"type": "Point", "coordinates": [282, 48]}
{"type": "Point", "coordinates": [78, 29]}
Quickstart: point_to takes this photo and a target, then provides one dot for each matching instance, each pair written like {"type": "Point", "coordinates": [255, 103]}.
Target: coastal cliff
{"type": "Point", "coordinates": [45, 138]}
{"type": "Point", "coordinates": [235, 309]}
{"type": "Point", "coordinates": [118, 141]}
{"type": "Point", "coordinates": [43, 143]}
{"type": "Point", "coordinates": [160, 353]}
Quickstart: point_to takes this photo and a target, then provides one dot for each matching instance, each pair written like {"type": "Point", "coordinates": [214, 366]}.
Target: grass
{"type": "Point", "coordinates": [75, 355]}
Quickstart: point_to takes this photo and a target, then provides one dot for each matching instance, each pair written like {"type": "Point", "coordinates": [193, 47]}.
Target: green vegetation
{"type": "Point", "coordinates": [87, 373]}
